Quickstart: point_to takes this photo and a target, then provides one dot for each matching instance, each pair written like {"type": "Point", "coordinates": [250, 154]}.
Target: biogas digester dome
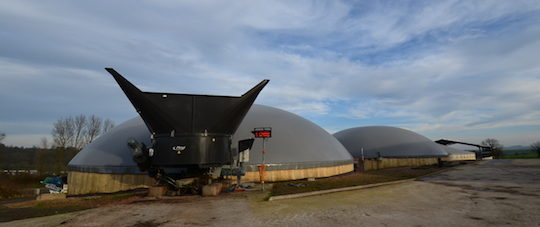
{"type": "Point", "coordinates": [298, 149]}
{"type": "Point", "coordinates": [385, 147]}
{"type": "Point", "coordinates": [388, 142]}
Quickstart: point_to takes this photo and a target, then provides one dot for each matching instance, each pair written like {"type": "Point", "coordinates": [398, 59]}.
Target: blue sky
{"type": "Point", "coordinates": [464, 70]}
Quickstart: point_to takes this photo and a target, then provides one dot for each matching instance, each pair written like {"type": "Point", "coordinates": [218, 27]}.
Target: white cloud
{"type": "Point", "coordinates": [445, 65]}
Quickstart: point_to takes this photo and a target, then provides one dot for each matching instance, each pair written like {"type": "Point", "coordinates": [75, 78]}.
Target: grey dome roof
{"type": "Point", "coordinates": [390, 142]}
{"type": "Point", "coordinates": [109, 153]}
{"type": "Point", "coordinates": [295, 143]}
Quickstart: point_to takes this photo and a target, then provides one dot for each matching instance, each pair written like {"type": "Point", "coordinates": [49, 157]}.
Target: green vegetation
{"type": "Point", "coordinates": [30, 209]}
{"type": "Point", "coordinates": [495, 146]}
{"type": "Point", "coordinates": [521, 156]}
{"type": "Point", "coordinates": [16, 186]}
{"type": "Point", "coordinates": [536, 147]}
{"type": "Point", "coordinates": [348, 180]}
{"type": "Point", "coordinates": [521, 152]}
{"type": "Point", "coordinates": [52, 160]}
{"type": "Point", "coordinates": [70, 135]}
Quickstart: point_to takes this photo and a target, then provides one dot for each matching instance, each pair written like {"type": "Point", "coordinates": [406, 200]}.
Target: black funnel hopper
{"type": "Point", "coordinates": [189, 129]}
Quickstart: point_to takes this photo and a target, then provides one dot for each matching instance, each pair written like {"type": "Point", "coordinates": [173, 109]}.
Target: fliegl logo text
{"type": "Point", "coordinates": [179, 149]}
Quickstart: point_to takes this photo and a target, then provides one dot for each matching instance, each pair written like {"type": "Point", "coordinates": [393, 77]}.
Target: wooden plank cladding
{"type": "Point", "coordinates": [88, 183]}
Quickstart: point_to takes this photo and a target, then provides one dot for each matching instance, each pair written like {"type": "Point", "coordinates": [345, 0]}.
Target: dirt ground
{"type": "Point", "coordinates": [487, 193]}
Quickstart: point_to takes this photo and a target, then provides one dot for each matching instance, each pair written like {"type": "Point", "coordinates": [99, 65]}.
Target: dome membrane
{"type": "Point", "coordinates": [389, 142]}
{"type": "Point", "coordinates": [296, 143]}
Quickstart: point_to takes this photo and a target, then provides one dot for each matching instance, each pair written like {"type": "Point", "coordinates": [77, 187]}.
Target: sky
{"type": "Point", "coordinates": [463, 70]}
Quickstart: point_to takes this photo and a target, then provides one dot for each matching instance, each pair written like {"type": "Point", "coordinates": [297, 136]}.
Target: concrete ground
{"type": "Point", "coordinates": [487, 193]}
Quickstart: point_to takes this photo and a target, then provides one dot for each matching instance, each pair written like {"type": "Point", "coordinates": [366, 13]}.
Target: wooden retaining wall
{"type": "Point", "coordinates": [296, 174]}
{"type": "Point", "coordinates": [460, 157]}
{"type": "Point", "coordinates": [373, 164]}
{"type": "Point", "coordinates": [87, 183]}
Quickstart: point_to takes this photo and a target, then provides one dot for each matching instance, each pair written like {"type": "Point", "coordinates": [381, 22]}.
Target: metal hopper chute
{"type": "Point", "coordinates": [188, 130]}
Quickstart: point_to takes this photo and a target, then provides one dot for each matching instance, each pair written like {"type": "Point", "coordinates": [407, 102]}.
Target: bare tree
{"type": "Point", "coordinates": [536, 147]}
{"type": "Point", "coordinates": [78, 131]}
{"type": "Point", "coordinates": [496, 147]}
{"type": "Point", "coordinates": [93, 128]}
{"type": "Point", "coordinates": [63, 132]}
{"type": "Point", "coordinates": [44, 144]}
{"type": "Point", "coordinates": [2, 136]}
{"type": "Point", "coordinates": [41, 156]}
{"type": "Point", "coordinates": [79, 127]}
{"type": "Point", "coordinates": [108, 124]}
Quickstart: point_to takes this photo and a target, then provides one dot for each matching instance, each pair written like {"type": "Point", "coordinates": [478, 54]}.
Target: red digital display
{"type": "Point", "coordinates": [262, 134]}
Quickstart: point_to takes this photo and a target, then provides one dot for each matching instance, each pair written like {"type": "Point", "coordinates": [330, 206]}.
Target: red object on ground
{"type": "Point", "coordinates": [262, 172]}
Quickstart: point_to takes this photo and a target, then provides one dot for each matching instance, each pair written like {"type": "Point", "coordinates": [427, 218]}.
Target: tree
{"type": "Point", "coordinates": [63, 132]}
{"type": "Point", "coordinates": [536, 147]}
{"type": "Point", "coordinates": [44, 144]}
{"type": "Point", "coordinates": [494, 145]}
{"type": "Point", "coordinates": [2, 136]}
{"type": "Point", "coordinates": [79, 127]}
{"type": "Point", "coordinates": [107, 125]}
{"type": "Point", "coordinates": [40, 159]}
{"type": "Point", "coordinates": [93, 128]}
{"type": "Point", "coordinates": [78, 131]}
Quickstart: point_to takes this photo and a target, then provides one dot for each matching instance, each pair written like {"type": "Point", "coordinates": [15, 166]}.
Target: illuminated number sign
{"type": "Point", "coordinates": [262, 132]}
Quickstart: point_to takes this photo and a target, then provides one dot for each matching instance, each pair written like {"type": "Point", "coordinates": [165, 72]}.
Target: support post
{"type": "Point", "coordinates": [363, 160]}
{"type": "Point", "coordinates": [262, 168]}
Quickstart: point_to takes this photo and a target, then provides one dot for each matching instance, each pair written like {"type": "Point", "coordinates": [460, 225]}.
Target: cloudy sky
{"type": "Point", "coordinates": [463, 70]}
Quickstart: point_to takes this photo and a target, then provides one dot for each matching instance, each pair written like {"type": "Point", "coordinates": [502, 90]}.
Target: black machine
{"type": "Point", "coordinates": [187, 131]}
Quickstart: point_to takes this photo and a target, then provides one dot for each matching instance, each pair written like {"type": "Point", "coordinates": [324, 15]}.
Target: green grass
{"type": "Point", "coordinates": [349, 180]}
{"type": "Point", "coordinates": [30, 209]}
{"type": "Point", "coordinates": [520, 156]}
{"type": "Point", "coordinates": [19, 187]}
{"type": "Point", "coordinates": [16, 186]}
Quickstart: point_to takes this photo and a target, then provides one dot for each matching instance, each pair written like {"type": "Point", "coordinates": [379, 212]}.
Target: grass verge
{"type": "Point", "coordinates": [17, 186]}
{"type": "Point", "coordinates": [521, 156]}
{"type": "Point", "coordinates": [352, 179]}
{"type": "Point", "coordinates": [30, 209]}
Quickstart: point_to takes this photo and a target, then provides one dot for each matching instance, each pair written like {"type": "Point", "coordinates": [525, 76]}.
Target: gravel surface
{"type": "Point", "coordinates": [487, 193]}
